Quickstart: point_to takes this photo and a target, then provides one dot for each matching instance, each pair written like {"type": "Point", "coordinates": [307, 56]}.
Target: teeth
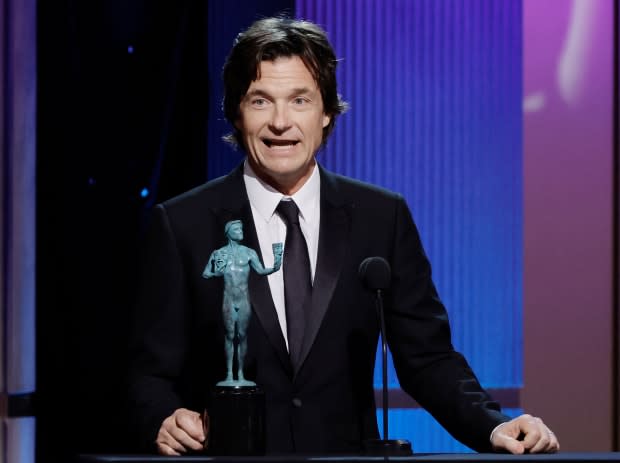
{"type": "Point", "coordinates": [271, 143]}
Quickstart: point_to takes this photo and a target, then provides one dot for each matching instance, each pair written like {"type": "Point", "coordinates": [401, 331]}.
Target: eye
{"type": "Point", "coordinates": [259, 102]}
{"type": "Point", "coordinates": [299, 101]}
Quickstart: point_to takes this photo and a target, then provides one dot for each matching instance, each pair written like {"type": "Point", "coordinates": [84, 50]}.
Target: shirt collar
{"type": "Point", "coordinates": [264, 198]}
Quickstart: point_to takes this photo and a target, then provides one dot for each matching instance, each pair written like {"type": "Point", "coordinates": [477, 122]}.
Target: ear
{"type": "Point", "coordinates": [326, 120]}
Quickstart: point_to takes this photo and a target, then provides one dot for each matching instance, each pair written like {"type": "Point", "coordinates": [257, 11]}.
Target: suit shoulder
{"type": "Point", "coordinates": [196, 207]}
{"type": "Point", "coordinates": [358, 191]}
{"type": "Point", "coordinates": [209, 190]}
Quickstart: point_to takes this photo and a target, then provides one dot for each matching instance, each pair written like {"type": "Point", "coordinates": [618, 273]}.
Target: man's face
{"type": "Point", "coordinates": [281, 121]}
{"type": "Point", "coordinates": [235, 232]}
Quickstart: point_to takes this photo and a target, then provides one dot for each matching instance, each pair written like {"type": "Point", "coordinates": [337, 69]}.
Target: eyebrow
{"type": "Point", "coordinates": [295, 91]}
{"type": "Point", "coordinates": [301, 90]}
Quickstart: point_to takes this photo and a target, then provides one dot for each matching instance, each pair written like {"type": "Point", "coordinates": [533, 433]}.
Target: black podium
{"type": "Point", "coordinates": [562, 457]}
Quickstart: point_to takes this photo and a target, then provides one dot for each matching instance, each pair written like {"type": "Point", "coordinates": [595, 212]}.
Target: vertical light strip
{"type": "Point", "coordinates": [616, 233]}
{"type": "Point", "coordinates": [21, 201]}
{"type": "Point", "coordinates": [18, 18]}
{"type": "Point", "coordinates": [3, 190]}
{"type": "Point", "coordinates": [435, 91]}
{"type": "Point", "coordinates": [20, 438]}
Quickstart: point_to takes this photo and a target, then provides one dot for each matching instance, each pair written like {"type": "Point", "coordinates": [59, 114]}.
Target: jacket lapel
{"type": "Point", "coordinates": [236, 206]}
{"type": "Point", "coordinates": [333, 246]}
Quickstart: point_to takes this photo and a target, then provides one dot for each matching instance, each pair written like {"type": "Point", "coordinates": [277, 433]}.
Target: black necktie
{"type": "Point", "coordinates": [297, 280]}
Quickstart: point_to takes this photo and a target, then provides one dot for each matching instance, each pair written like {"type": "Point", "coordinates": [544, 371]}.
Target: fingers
{"type": "Point", "coordinates": [539, 438]}
{"type": "Point", "coordinates": [504, 438]}
{"type": "Point", "coordinates": [533, 432]}
{"type": "Point", "coordinates": [190, 422]}
{"type": "Point", "coordinates": [536, 436]}
{"type": "Point", "coordinates": [180, 432]}
{"type": "Point", "coordinates": [182, 437]}
{"type": "Point", "coordinates": [167, 445]}
{"type": "Point", "coordinates": [512, 445]}
{"type": "Point", "coordinates": [554, 444]}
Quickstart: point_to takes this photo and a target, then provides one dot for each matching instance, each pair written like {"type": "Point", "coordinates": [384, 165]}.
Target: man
{"type": "Point", "coordinates": [311, 348]}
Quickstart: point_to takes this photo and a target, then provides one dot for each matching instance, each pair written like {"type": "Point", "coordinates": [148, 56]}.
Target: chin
{"type": "Point", "coordinates": [290, 173]}
{"type": "Point", "coordinates": [284, 168]}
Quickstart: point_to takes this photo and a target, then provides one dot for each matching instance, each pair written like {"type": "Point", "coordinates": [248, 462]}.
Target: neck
{"type": "Point", "coordinates": [288, 185]}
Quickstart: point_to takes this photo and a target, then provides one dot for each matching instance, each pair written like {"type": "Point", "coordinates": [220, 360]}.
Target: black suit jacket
{"type": "Point", "coordinates": [178, 352]}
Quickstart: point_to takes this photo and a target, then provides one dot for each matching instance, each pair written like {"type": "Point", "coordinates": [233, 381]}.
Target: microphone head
{"type": "Point", "coordinates": [375, 273]}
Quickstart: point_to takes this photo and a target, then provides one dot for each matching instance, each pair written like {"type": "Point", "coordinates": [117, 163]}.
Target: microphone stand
{"type": "Point", "coordinates": [383, 365]}
{"type": "Point", "coordinates": [385, 446]}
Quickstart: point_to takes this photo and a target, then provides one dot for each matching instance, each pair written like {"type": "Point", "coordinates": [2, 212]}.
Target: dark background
{"type": "Point", "coordinates": [126, 93]}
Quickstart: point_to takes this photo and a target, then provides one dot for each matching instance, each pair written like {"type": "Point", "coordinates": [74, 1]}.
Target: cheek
{"type": "Point", "coordinates": [246, 125]}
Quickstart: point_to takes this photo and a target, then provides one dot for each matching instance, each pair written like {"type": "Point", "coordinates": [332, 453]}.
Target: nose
{"type": "Point", "coordinates": [280, 118]}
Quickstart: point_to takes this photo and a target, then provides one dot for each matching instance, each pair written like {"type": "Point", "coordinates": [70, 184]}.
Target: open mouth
{"type": "Point", "coordinates": [272, 142]}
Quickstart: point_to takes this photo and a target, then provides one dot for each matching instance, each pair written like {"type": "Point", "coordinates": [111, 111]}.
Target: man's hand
{"type": "Point", "coordinates": [524, 434]}
{"type": "Point", "coordinates": [180, 432]}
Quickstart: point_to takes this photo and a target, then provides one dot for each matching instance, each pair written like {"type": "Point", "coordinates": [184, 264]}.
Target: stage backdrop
{"type": "Point", "coordinates": [435, 92]}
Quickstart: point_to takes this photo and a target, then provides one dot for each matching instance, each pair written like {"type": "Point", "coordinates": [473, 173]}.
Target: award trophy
{"type": "Point", "coordinates": [235, 423]}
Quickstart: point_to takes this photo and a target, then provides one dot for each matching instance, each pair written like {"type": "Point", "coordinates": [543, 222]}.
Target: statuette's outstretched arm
{"type": "Point", "coordinates": [277, 261]}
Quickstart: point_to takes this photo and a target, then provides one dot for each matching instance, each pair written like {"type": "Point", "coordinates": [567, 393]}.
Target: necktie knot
{"type": "Point", "coordinates": [289, 212]}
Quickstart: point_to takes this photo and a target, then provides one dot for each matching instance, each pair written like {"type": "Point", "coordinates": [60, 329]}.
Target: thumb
{"type": "Point", "coordinates": [505, 438]}
{"type": "Point", "coordinates": [191, 422]}
{"type": "Point", "coordinates": [201, 427]}
{"type": "Point", "coordinates": [205, 425]}
{"type": "Point", "coordinates": [511, 444]}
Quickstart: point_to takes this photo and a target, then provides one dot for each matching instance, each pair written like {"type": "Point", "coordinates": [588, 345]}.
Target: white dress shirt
{"type": "Point", "coordinates": [270, 228]}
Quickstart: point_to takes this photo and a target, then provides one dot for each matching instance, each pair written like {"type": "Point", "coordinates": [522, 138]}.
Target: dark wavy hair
{"type": "Point", "coordinates": [271, 38]}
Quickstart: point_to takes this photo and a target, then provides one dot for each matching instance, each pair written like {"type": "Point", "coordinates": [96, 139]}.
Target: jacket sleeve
{"type": "Point", "coordinates": [158, 345]}
{"type": "Point", "coordinates": [428, 367]}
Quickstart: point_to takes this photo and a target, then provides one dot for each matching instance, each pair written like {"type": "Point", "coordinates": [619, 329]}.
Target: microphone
{"type": "Point", "coordinates": [376, 276]}
{"type": "Point", "coordinates": [375, 273]}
